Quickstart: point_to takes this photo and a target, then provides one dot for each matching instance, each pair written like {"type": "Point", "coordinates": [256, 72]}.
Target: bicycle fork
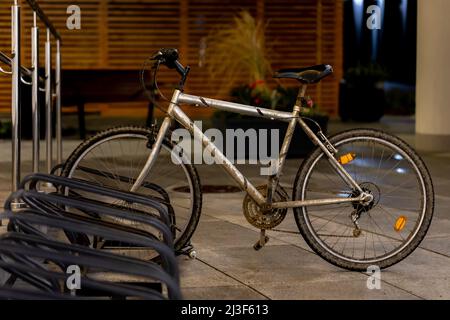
{"type": "Point", "coordinates": [153, 154]}
{"type": "Point", "coordinates": [165, 126]}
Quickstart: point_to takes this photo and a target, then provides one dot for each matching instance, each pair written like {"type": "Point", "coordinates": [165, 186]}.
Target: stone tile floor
{"type": "Point", "coordinates": [288, 269]}
{"type": "Point", "coordinates": [227, 267]}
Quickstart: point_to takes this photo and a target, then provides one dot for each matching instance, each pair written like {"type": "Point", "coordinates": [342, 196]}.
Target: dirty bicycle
{"type": "Point", "coordinates": [360, 198]}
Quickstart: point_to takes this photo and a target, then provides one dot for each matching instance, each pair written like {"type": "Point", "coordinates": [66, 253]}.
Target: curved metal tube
{"type": "Point", "coordinates": [4, 71]}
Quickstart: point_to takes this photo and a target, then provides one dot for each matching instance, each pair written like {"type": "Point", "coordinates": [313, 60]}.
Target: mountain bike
{"type": "Point", "coordinates": [360, 198]}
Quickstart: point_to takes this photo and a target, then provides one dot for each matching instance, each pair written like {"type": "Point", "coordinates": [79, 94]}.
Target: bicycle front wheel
{"type": "Point", "coordinates": [115, 157]}
{"type": "Point", "coordinates": [382, 232]}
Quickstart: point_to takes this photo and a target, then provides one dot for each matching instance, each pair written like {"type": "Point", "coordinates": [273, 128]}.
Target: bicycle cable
{"type": "Point", "coordinates": [151, 96]}
{"type": "Point", "coordinates": [150, 92]}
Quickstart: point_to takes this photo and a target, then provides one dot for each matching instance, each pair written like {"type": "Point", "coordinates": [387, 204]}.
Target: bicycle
{"type": "Point", "coordinates": [360, 198]}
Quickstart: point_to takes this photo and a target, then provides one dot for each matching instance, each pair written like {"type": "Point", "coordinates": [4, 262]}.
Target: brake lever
{"type": "Point", "coordinates": [157, 56]}
{"type": "Point", "coordinates": [184, 75]}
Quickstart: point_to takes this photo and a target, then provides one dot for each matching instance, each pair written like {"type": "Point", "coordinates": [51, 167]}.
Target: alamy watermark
{"type": "Point", "coordinates": [73, 281]}
{"type": "Point", "coordinates": [374, 20]}
{"type": "Point", "coordinates": [374, 280]}
{"type": "Point", "coordinates": [74, 20]}
{"type": "Point", "coordinates": [241, 147]}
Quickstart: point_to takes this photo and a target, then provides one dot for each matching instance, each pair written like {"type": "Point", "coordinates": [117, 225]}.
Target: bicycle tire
{"type": "Point", "coordinates": [183, 240]}
{"type": "Point", "coordinates": [301, 213]}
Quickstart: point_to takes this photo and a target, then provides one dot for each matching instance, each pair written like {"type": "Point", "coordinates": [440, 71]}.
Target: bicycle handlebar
{"type": "Point", "coordinates": [169, 58]}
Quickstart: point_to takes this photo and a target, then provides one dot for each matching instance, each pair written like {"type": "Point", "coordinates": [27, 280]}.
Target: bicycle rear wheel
{"type": "Point", "coordinates": [115, 157]}
{"type": "Point", "coordinates": [391, 226]}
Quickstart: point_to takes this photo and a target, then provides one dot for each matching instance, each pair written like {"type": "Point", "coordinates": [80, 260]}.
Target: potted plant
{"type": "Point", "coordinates": [240, 48]}
{"type": "Point", "coordinates": [237, 49]}
{"type": "Point", "coordinates": [282, 99]}
{"type": "Point", "coordinates": [361, 93]}
{"type": "Point", "coordinates": [5, 130]}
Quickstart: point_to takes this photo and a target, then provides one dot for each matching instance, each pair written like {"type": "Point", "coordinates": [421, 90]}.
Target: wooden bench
{"type": "Point", "coordinates": [101, 86]}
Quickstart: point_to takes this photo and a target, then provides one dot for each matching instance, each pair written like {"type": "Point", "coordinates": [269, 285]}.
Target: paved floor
{"type": "Point", "coordinates": [228, 268]}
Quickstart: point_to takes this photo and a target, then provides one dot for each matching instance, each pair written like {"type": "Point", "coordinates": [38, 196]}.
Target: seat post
{"type": "Point", "coordinates": [301, 95]}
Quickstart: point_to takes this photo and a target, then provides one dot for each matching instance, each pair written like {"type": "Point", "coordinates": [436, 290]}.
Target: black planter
{"type": "Point", "coordinates": [363, 103]}
{"type": "Point", "coordinates": [300, 144]}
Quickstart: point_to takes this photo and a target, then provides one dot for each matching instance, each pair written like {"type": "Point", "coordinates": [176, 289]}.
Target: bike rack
{"type": "Point", "coordinates": [77, 208]}
{"type": "Point", "coordinates": [48, 231]}
{"type": "Point", "coordinates": [17, 73]}
{"type": "Point", "coordinates": [13, 248]}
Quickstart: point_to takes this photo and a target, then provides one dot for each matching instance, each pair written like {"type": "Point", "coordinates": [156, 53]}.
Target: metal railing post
{"type": "Point", "coordinates": [48, 102]}
{"type": "Point", "coordinates": [18, 72]}
{"type": "Point", "coordinates": [15, 94]}
{"type": "Point", "coordinates": [58, 103]}
{"type": "Point", "coordinates": [35, 92]}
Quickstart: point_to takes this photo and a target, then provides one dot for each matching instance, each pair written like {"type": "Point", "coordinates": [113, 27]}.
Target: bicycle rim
{"type": "Point", "coordinates": [121, 158]}
{"type": "Point", "coordinates": [399, 207]}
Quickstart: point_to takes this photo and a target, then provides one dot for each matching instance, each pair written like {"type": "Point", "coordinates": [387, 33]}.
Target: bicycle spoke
{"type": "Point", "coordinates": [108, 170]}
{"type": "Point", "coordinates": [118, 161]}
{"type": "Point", "coordinates": [331, 220]}
{"type": "Point", "coordinates": [381, 241]}
{"type": "Point", "coordinates": [340, 237]}
{"type": "Point", "coordinates": [377, 171]}
{"type": "Point", "coordinates": [346, 240]}
{"type": "Point", "coordinates": [397, 187]}
{"type": "Point", "coordinates": [379, 165]}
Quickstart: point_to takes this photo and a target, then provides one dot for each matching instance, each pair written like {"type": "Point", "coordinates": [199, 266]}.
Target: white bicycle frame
{"type": "Point", "coordinates": [174, 112]}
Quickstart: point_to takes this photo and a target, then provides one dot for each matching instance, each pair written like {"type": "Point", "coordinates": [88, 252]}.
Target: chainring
{"type": "Point", "coordinates": [269, 219]}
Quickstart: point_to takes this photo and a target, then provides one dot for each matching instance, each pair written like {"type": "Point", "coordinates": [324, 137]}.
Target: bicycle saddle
{"type": "Point", "coordinates": [308, 75]}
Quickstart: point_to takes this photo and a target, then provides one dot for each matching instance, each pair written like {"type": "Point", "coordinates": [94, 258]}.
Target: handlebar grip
{"type": "Point", "coordinates": [167, 56]}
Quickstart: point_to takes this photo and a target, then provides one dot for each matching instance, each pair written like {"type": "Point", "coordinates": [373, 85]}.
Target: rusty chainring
{"type": "Point", "coordinates": [265, 220]}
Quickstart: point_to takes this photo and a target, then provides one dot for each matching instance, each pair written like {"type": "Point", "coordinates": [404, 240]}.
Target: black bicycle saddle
{"type": "Point", "coordinates": [307, 75]}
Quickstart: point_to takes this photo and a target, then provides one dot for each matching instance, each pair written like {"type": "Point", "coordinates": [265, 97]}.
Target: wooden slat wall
{"type": "Point", "coordinates": [202, 17]}
{"type": "Point", "coordinates": [120, 34]}
{"type": "Point", "coordinates": [138, 28]}
{"type": "Point", "coordinates": [331, 52]}
{"type": "Point", "coordinates": [292, 31]}
{"type": "Point", "coordinates": [5, 46]}
{"type": "Point", "coordinates": [80, 48]}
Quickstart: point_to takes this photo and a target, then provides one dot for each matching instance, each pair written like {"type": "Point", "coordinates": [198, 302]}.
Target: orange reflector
{"type": "Point", "coordinates": [347, 158]}
{"type": "Point", "coordinates": [400, 223]}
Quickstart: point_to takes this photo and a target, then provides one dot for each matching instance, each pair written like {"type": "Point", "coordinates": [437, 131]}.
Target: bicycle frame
{"type": "Point", "coordinates": [176, 113]}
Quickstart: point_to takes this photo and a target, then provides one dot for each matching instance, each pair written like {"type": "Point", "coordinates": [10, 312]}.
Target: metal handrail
{"type": "Point", "coordinates": [17, 74]}
{"type": "Point", "coordinates": [42, 16]}
{"type": "Point", "coordinates": [8, 61]}
{"type": "Point", "coordinates": [24, 71]}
